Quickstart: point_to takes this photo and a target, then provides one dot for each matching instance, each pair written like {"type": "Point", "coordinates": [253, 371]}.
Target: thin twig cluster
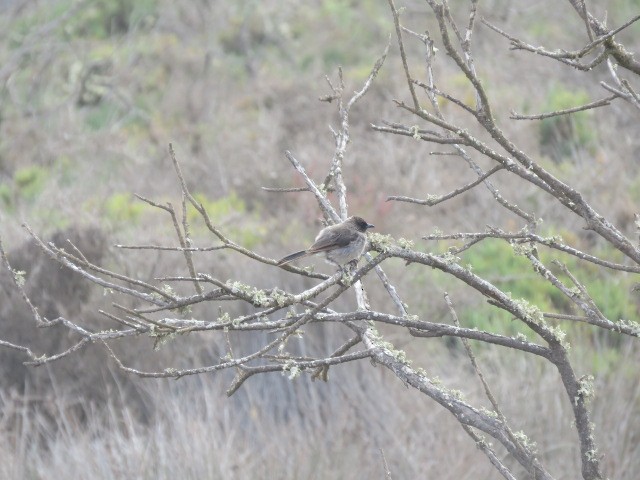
{"type": "Point", "coordinates": [162, 313]}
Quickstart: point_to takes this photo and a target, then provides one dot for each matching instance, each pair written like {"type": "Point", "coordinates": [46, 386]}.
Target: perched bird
{"type": "Point", "coordinates": [341, 243]}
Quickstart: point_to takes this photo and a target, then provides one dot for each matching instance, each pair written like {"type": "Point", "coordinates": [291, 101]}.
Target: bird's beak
{"type": "Point", "coordinates": [370, 226]}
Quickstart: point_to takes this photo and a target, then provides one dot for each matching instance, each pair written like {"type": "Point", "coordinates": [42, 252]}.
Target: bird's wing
{"type": "Point", "coordinates": [331, 238]}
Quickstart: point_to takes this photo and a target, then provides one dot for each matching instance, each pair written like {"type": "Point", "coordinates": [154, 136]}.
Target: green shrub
{"type": "Point", "coordinates": [562, 135]}
{"type": "Point", "coordinates": [100, 116]}
{"type": "Point", "coordinates": [6, 196]}
{"type": "Point", "coordinates": [123, 207]}
{"type": "Point", "coordinates": [249, 234]}
{"type": "Point", "coordinates": [217, 209]}
{"type": "Point", "coordinates": [496, 261]}
{"type": "Point", "coordinates": [104, 18]}
{"type": "Point", "coordinates": [30, 181]}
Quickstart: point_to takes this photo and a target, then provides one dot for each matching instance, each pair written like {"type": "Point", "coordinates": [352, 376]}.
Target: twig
{"type": "Point", "coordinates": [387, 472]}
{"type": "Point", "coordinates": [403, 55]}
{"type": "Point", "coordinates": [476, 368]}
{"type": "Point", "coordinates": [20, 286]}
{"type": "Point", "coordinates": [438, 199]}
{"type": "Point", "coordinates": [322, 372]}
{"type": "Point", "coordinates": [322, 200]}
{"type": "Point", "coordinates": [596, 104]}
{"type": "Point", "coordinates": [173, 249]}
{"type": "Point", "coordinates": [285, 189]}
{"type": "Point", "coordinates": [551, 242]}
{"type": "Point", "coordinates": [489, 452]}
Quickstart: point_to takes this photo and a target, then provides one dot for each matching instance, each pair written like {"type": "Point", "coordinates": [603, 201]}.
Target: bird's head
{"type": "Point", "coordinates": [360, 224]}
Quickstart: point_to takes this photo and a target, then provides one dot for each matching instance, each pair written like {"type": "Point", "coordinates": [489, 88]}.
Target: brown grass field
{"type": "Point", "coordinates": [94, 92]}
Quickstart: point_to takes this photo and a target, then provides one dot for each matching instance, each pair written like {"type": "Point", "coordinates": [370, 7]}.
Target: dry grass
{"type": "Point", "coordinates": [232, 89]}
{"type": "Point", "coordinates": [277, 428]}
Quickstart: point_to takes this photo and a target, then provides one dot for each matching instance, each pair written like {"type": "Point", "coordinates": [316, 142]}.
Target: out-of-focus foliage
{"type": "Point", "coordinates": [92, 94]}
{"type": "Point", "coordinates": [561, 136]}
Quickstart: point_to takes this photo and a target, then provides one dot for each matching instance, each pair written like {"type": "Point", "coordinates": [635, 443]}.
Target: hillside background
{"type": "Point", "coordinates": [93, 93]}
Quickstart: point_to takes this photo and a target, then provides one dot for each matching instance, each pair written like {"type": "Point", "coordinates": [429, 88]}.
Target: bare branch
{"type": "Point", "coordinates": [599, 103]}
{"type": "Point", "coordinates": [403, 55]}
{"type": "Point", "coordinates": [551, 242]}
{"type": "Point", "coordinates": [19, 283]}
{"type": "Point", "coordinates": [434, 200]}
{"type": "Point", "coordinates": [323, 202]}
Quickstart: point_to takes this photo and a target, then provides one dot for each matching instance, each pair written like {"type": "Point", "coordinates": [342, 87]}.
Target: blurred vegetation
{"type": "Point", "coordinates": [560, 136]}
{"type": "Point", "coordinates": [122, 207]}
{"type": "Point", "coordinates": [30, 181]}
{"type": "Point", "coordinates": [94, 92]}
{"type": "Point", "coordinates": [494, 260]}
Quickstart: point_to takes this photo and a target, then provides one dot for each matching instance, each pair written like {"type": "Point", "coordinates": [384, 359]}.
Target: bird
{"type": "Point", "coordinates": [341, 243]}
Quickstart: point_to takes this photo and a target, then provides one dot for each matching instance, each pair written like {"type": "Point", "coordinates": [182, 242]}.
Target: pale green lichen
{"type": "Point", "coordinates": [160, 338]}
{"type": "Point", "coordinates": [258, 297]}
{"type": "Point", "coordinates": [592, 455]}
{"type": "Point", "coordinates": [168, 290]}
{"type": "Point", "coordinates": [575, 292]}
{"type": "Point", "coordinates": [457, 394]}
{"type": "Point", "coordinates": [389, 348]}
{"type": "Point", "coordinates": [239, 287]}
{"type": "Point", "coordinates": [171, 371]}
{"type": "Point", "coordinates": [224, 318]}
{"type": "Point", "coordinates": [415, 132]}
{"type": "Point", "coordinates": [481, 443]}
{"type": "Point", "coordinates": [633, 326]}
{"type": "Point", "coordinates": [346, 279]}
{"type": "Point", "coordinates": [379, 242]}
{"type": "Point", "coordinates": [450, 392]}
{"type": "Point", "coordinates": [292, 368]}
{"type": "Point", "coordinates": [586, 389]}
{"type": "Point", "coordinates": [405, 243]}
{"type": "Point", "coordinates": [560, 336]}
{"type": "Point", "coordinates": [449, 258]}
{"type": "Point", "coordinates": [521, 337]}
{"type": "Point", "coordinates": [530, 312]}
{"type": "Point", "coordinates": [19, 277]}
{"type": "Point", "coordinates": [489, 413]}
{"type": "Point", "coordinates": [280, 297]}
{"type": "Point", "coordinates": [555, 239]}
{"type": "Point", "coordinates": [522, 249]}
{"type": "Point", "coordinates": [431, 199]}
{"type": "Point", "coordinates": [525, 442]}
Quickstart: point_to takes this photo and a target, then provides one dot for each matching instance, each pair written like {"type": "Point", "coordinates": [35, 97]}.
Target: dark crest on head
{"type": "Point", "coordinates": [361, 224]}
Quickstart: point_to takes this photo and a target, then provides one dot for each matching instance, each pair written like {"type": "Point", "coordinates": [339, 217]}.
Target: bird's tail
{"type": "Point", "coordinates": [293, 256]}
